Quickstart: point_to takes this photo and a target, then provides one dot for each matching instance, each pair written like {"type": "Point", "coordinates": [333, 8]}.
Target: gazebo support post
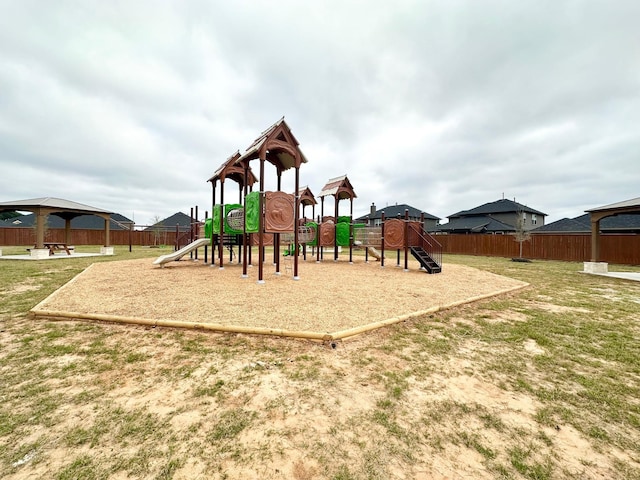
{"type": "Point", "coordinates": [107, 249]}
{"type": "Point", "coordinates": [595, 265]}
{"type": "Point", "coordinates": [41, 220]}
{"type": "Point", "coordinates": [67, 231]}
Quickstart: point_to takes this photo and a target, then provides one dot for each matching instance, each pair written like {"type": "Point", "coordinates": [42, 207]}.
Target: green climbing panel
{"type": "Point", "coordinates": [252, 212]}
{"type": "Point", "coordinates": [208, 227]}
{"type": "Point", "coordinates": [343, 233]}
{"type": "Point", "coordinates": [216, 219]}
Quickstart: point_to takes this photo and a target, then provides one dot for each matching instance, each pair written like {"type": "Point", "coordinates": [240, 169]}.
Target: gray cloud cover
{"type": "Point", "coordinates": [131, 106]}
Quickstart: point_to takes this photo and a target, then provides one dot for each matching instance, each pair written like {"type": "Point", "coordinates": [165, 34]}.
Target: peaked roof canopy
{"type": "Point", "coordinates": [339, 187]}
{"type": "Point", "coordinates": [626, 206]}
{"type": "Point", "coordinates": [306, 196]}
{"type": "Point", "coordinates": [54, 206]}
{"type": "Point", "coordinates": [277, 145]}
{"type": "Point", "coordinates": [229, 169]}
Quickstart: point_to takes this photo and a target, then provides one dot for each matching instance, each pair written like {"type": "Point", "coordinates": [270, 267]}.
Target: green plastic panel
{"type": "Point", "coordinates": [346, 219]}
{"type": "Point", "coordinates": [314, 242]}
{"type": "Point", "coordinates": [227, 208]}
{"type": "Point", "coordinates": [252, 212]}
{"type": "Point", "coordinates": [208, 227]}
{"type": "Point", "coordinates": [216, 219]}
{"type": "Point", "coordinates": [343, 234]}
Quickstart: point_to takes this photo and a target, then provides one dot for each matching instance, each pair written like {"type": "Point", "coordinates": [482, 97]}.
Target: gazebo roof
{"type": "Point", "coordinates": [626, 206]}
{"type": "Point", "coordinates": [55, 206]}
{"type": "Point", "coordinates": [340, 187]}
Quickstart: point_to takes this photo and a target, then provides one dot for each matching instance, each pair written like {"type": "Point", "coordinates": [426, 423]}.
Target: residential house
{"type": "Point", "coordinates": [374, 217]}
{"type": "Point", "coordinates": [499, 217]}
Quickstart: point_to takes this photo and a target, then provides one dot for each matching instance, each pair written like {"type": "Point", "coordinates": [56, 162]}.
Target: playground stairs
{"type": "Point", "coordinates": [430, 265]}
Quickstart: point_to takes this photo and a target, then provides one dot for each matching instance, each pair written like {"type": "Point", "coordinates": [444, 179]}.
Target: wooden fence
{"type": "Point", "coordinates": [27, 236]}
{"type": "Point", "coordinates": [614, 248]}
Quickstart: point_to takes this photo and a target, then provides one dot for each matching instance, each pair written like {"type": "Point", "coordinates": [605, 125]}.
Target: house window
{"type": "Point", "coordinates": [524, 218]}
{"type": "Point", "coordinates": [534, 219]}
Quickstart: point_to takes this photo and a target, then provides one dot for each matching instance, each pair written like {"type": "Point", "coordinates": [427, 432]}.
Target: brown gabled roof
{"type": "Point", "coordinates": [339, 187]}
{"type": "Point", "coordinates": [306, 196]}
{"type": "Point", "coordinates": [278, 145]}
{"type": "Point", "coordinates": [229, 169]}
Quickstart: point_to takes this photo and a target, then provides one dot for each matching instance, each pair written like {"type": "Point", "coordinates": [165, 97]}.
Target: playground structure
{"type": "Point", "coordinates": [272, 218]}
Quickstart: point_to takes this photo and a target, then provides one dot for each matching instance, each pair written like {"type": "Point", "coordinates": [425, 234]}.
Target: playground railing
{"type": "Point", "coordinates": [418, 237]}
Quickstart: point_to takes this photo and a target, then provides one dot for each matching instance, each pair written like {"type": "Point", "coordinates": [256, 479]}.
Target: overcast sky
{"type": "Point", "coordinates": [131, 106]}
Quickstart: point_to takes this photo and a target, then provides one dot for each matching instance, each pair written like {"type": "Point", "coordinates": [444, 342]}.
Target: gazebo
{"type": "Point", "coordinates": [597, 214]}
{"type": "Point", "coordinates": [66, 209]}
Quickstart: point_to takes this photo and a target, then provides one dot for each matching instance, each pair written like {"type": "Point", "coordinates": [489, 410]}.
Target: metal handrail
{"type": "Point", "coordinates": [427, 242]}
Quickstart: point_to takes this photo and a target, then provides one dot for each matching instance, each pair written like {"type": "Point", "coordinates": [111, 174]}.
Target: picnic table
{"type": "Point", "coordinates": [53, 246]}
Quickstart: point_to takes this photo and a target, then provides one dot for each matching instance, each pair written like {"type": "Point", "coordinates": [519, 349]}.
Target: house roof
{"type": "Point", "coordinates": [564, 225]}
{"type": "Point", "coordinates": [393, 211]}
{"type": "Point", "coordinates": [475, 224]}
{"type": "Point", "coordinates": [58, 205]}
{"type": "Point", "coordinates": [178, 218]}
{"type": "Point", "coordinates": [582, 224]}
{"type": "Point", "coordinates": [499, 206]}
{"type": "Point", "coordinates": [89, 222]}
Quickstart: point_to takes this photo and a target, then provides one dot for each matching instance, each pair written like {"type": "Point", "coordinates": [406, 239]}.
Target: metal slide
{"type": "Point", "coordinates": [178, 254]}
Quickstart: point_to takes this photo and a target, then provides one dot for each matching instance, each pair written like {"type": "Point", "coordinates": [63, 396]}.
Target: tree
{"type": "Point", "coordinates": [6, 215]}
{"type": "Point", "coordinates": [157, 229]}
{"type": "Point", "coordinates": [521, 234]}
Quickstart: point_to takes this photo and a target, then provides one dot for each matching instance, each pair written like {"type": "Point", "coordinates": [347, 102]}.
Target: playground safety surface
{"type": "Point", "coordinates": [331, 299]}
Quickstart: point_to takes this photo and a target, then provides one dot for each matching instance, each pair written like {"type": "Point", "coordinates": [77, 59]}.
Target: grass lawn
{"type": "Point", "coordinates": [540, 384]}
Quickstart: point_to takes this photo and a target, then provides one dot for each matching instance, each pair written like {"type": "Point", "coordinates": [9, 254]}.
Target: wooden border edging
{"type": "Point", "coordinates": [339, 335]}
{"type": "Point", "coordinates": [180, 324]}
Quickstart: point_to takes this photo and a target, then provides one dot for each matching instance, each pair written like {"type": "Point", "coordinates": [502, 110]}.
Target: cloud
{"type": "Point", "coordinates": [441, 105]}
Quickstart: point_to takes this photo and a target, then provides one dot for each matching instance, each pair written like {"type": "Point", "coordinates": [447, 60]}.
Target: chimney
{"type": "Point", "coordinates": [373, 209]}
